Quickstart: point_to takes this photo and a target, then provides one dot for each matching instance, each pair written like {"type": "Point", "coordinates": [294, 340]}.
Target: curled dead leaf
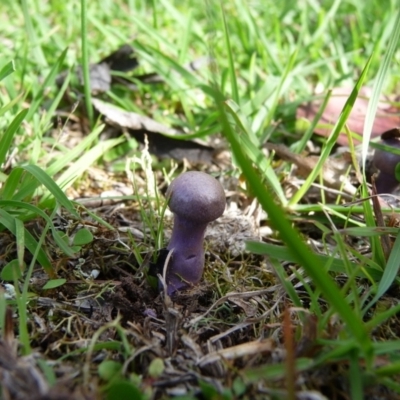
{"type": "Point", "coordinates": [160, 137]}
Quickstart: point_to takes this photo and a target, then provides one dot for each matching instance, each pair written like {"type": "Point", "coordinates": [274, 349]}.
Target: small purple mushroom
{"type": "Point", "coordinates": [386, 163]}
{"type": "Point", "coordinates": [196, 199]}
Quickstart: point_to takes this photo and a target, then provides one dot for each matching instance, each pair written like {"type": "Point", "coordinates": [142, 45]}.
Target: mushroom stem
{"type": "Point", "coordinates": [187, 262]}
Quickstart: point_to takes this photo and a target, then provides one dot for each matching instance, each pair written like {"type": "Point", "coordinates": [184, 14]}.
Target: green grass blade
{"type": "Point", "coordinates": [390, 369]}
{"type": "Point", "coordinates": [382, 317]}
{"type": "Point", "coordinates": [254, 153]}
{"type": "Point", "coordinates": [376, 246]}
{"type": "Point", "coordinates": [301, 145]}
{"type": "Point", "coordinates": [75, 153]}
{"type": "Point", "coordinates": [242, 121]}
{"type": "Point", "coordinates": [49, 81]}
{"type": "Point", "coordinates": [290, 290]}
{"type": "Point", "coordinates": [34, 43]}
{"type": "Point", "coordinates": [266, 91]}
{"type": "Point", "coordinates": [23, 189]}
{"type": "Point", "coordinates": [10, 105]}
{"type": "Point", "coordinates": [284, 82]}
{"type": "Point", "coordinates": [6, 70]}
{"type": "Point", "coordinates": [53, 188]}
{"type": "Point", "coordinates": [30, 243]}
{"type": "Point", "coordinates": [275, 371]}
{"type": "Point", "coordinates": [390, 273]}
{"type": "Point", "coordinates": [355, 377]}
{"type": "Point", "coordinates": [56, 102]}
{"type": "Point", "coordinates": [231, 64]}
{"type": "Point", "coordinates": [85, 61]}
{"type": "Point", "coordinates": [68, 177]}
{"type": "Point", "coordinates": [6, 139]}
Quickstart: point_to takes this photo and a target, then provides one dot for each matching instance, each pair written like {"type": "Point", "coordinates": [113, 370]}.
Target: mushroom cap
{"type": "Point", "coordinates": [196, 196]}
{"type": "Point", "coordinates": [385, 161]}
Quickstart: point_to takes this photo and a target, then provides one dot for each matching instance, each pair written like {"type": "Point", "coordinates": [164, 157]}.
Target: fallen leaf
{"type": "Point", "coordinates": [387, 116]}
{"type": "Point", "coordinates": [127, 119]}
{"type": "Point", "coordinates": [162, 146]}
{"type": "Point", "coordinates": [123, 60]}
{"type": "Point", "coordinates": [100, 77]}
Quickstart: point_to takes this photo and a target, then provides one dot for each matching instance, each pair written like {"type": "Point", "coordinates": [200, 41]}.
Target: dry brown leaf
{"type": "Point", "coordinates": [194, 150]}
{"type": "Point", "coordinates": [128, 119]}
{"type": "Point", "coordinates": [387, 116]}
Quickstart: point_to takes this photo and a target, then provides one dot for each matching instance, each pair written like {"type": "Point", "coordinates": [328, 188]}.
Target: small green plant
{"type": "Point", "coordinates": [152, 207]}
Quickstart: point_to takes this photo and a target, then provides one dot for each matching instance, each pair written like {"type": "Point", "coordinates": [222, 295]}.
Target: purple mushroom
{"type": "Point", "coordinates": [196, 199]}
{"type": "Point", "coordinates": [386, 163]}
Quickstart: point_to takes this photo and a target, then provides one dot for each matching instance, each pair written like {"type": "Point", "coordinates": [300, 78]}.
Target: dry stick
{"type": "Point", "coordinates": [238, 351]}
{"type": "Point", "coordinates": [385, 240]}
{"type": "Point", "coordinates": [172, 316]}
{"type": "Point", "coordinates": [290, 356]}
{"type": "Point", "coordinates": [307, 346]}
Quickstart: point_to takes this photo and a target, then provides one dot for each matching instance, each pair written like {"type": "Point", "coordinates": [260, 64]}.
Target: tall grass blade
{"type": "Point", "coordinates": [85, 61]}
{"type": "Point", "coordinates": [6, 139]}
{"type": "Point", "coordinates": [53, 188]}
{"type": "Point", "coordinates": [6, 70]}
{"type": "Point", "coordinates": [231, 64]}
{"type": "Point", "coordinates": [389, 274]}
{"type": "Point", "coordinates": [48, 81]}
